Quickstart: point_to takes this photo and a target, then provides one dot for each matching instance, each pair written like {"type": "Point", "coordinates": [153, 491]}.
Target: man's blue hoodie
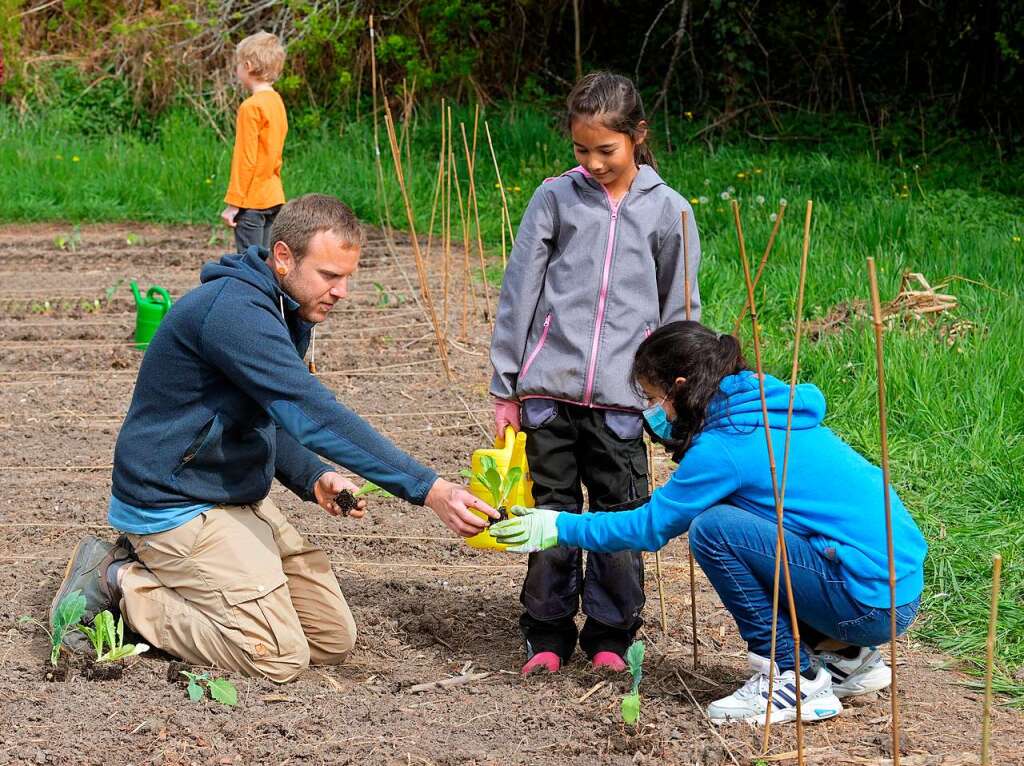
{"type": "Point", "coordinates": [224, 403]}
{"type": "Point", "coordinates": [833, 495]}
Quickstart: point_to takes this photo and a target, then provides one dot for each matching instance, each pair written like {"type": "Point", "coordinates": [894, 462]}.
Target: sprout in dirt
{"type": "Point", "coordinates": [67, 617]}
{"type": "Point", "coordinates": [498, 488]}
{"type": "Point", "coordinates": [221, 689]}
{"type": "Point", "coordinates": [107, 639]}
{"type": "Point", "coordinates": [631, 702]}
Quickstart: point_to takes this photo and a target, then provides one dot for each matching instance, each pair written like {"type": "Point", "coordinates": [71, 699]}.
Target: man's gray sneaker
{"type": "Point", "coordinates": [87, 571]}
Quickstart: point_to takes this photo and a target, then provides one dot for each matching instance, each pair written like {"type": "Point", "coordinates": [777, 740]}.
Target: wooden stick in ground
{"type": "Point", "coordinates": [464, 224]}
{"type": "Point", "coordinates": [761, 265]}
{"type": "Point", "coordinates": [442, 346]}
{"type": "Point", "coordinates": [755, 329]}
{"type": "Point", "coordinates": [446, 266]}
{"type": "Point", "coordinates": [687, 287]}
{"type": "Point", "coordinates": [990, 648]}
{"type": "Point", "coordinates": [780, 541]}
{"type": "Point", "coordinates": [471, 165]}
{"type": "Point", "coordinates": [652, 481]}
{"type": "Point", "coordinates": [876, 314]}
{"type": "Point", "coordinates": [501, 188]}
{"type": "Point", "coordinates": [382, 194]}
{"type": "Point", "coordinates": [437, 188]}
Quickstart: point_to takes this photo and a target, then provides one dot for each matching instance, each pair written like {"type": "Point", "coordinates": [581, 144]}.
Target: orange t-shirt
{"type": "Point", "coordinates": [260, 129]}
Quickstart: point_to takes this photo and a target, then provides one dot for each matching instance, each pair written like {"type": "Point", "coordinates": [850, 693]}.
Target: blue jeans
{"type": "Point", "coordinates": [736, 549]}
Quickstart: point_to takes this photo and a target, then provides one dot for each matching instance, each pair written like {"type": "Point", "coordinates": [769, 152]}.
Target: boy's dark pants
{"type": "Point", "coordinates": [569, 445]}
{"type": "Point", "coordinates": [252, 227]}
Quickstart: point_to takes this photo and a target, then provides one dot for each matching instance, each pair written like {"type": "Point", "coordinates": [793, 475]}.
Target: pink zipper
{"type": "Point", "coordinates": [540, 345]}
{"type": "Point", "coordinates": [603, 298]}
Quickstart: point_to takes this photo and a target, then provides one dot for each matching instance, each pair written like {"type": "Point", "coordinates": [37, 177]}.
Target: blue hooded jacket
{"type": "Point", "coordinates": [833, 495]}
{"type": "Point", "coordinates": [224, 403]}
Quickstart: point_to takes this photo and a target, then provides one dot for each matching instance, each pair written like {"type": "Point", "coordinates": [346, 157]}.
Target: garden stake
{"type": "Point", "coordinates": [501, 188]}
{"type": "Point", "coordinates": [651, 480]}
{"type": "Point", "coordinates": [761, 265]}
{"type": "Point", "coordinates": [785, 461]}
{"type": "Point", "coordinates": [775, 483]}
{"type": "Point", "coordinates": [464, 222]}
{"type": "Point", "coordinates": [442, 351]}
{"type": "Point", "coordinates": [382, 195]}
{"type": "Point", "coordinates": [689, 552]}
{"type": "Point", "coordinates": [471, 163]}
{"type": "Point", "coordinates": [990, 646]}
{"type": "Point", "coordinates": [876, 313]}
{"type": "Point", "coordinates": [437, 188]}
{"type": "Point", "coordinates": [446, 264]}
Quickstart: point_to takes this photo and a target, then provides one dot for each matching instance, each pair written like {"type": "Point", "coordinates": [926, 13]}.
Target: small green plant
{"type": "Point", "coordinates": [67, 617]}
{"type": "Point", "coordinates": [386, 299]}
{"type": "Point", "coordinates": [107, 639]}
{"type": "Point", "coordinates": [490, 477]}
{"type": "Point", "coordinates": [132, 239]}
{"type": "Point", "coordinates": [631, 702]}
{"type": "Point", "coordinates": [69, 241]}
{"type": "Point", "coordinates": [369, 488]}
{"type": "Point", "coordinates": [221, 689]}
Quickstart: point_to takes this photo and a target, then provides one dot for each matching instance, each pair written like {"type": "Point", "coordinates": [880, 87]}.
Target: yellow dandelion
{"type": "Point", "coordinates": [1016, 238]}
{"type": "Point", "coordinates": [74, 158]}
{"type": "Point", "coordinates": [695, 201]}
{"type": "Point", "coordinates": [758, 171]}
{"type": "Point", "coordinates": [689, 115]}
{"type": "Point", "coordinates": [58, 156]}
{"type": "Point", "coordinates": [741, 175]}
{"type": "Point", "coordinates": [516, 189]}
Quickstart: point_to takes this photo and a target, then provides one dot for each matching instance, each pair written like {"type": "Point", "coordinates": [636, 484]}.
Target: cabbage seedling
{"type": "Point", "coordinates": [347, 501]}
{"type": "Point", "coordinates": [108, 640]}
{"type": "Point", "coordinates": [498, 488]}
{"type": "Point", "coordinates": [631, 702]}
{"type": "Point", "coordinates": [221, 689]}
{"type": "Point", "coordinates": [67, 617]}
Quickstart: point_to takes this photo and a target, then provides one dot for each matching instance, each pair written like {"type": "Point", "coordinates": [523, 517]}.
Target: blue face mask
{"type": "Point", "coordinates": [659, 423]}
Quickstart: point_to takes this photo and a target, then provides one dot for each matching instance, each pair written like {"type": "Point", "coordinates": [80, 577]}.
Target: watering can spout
{"type": "Point", "coordinates": [136, 293]}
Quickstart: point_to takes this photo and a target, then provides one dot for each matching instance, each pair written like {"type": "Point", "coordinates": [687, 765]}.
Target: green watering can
{"type": "Point", "coordinates": [149, 312]}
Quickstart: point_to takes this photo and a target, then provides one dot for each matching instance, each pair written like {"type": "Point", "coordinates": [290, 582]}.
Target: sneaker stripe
{"type": "Point", "coordinates": [781, 694]}
{"type": "Point", "coordinates": [837, 673]}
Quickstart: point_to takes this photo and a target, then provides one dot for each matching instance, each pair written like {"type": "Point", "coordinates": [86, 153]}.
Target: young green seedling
{"type": "Point", "coordinates": [631, 702]}
{"type": "Point", "coordinates": [221, 689]}
{"type": "Point", "coordinates": [67, 617]}
{"type": "Point", "coordinates": [108, 640]}
{"type": "Point", "coordinates": [347, 501]}
{"type": "Point", "coordinates": [498, 488]}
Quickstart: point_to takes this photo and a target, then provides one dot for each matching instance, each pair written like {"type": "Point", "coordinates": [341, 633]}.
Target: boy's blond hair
{"type": "Point", "coordinates": [263, 56]}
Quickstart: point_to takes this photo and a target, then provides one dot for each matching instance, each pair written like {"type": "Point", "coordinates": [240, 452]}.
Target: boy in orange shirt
{"type": "Point", "coordinates": [255, 193]}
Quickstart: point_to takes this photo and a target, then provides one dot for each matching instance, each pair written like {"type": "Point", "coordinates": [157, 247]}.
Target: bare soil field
{"type": "Point", "coordinates": [427, 606]}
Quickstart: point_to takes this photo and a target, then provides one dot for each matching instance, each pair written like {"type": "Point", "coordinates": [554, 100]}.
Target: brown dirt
{"type": "Point", "coordinates": [426, 605]}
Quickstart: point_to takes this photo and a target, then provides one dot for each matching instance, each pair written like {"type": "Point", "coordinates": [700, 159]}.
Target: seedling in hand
{"type": "Point", "coordinates": [108, 640]}
{"type": "Point", "coordinates": [348, 501]}
{"type": "Point", "coordinates": [221, 689]}
{"type": "Point", "coordinates": [499, 488]}
{"type": "Point", "coordinates": [67, 617]}
{"type": "Point", "coordinates": [631, 702]}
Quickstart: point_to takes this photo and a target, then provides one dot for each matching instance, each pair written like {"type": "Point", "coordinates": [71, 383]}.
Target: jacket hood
{"type": "Point", "coordinates": [249, 267]}
{"type": "Point", "coordinates": [647, 178]}
{"type": "Point", "coordinates": [738, 405]}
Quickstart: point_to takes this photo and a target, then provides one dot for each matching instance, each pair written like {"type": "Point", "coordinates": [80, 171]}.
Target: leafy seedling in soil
{"type": "Point", "coordinates": [347, 501]}
{"type": "Point", "coordinates": [498, 488]}
{"type": "Point", "coordinates": [67, 617]}
{"type": "Point", "coordinates": [221, 689]}
{"type": "Point", "coordinates": [630, 707]}
{"type": "Point", "coordinates": [107, 641]}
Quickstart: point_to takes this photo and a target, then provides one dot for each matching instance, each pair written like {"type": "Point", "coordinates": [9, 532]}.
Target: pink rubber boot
{"type": "Point", "coordinates": [608, 662]}
{"type": "Point", "coordinates": [543, 662]}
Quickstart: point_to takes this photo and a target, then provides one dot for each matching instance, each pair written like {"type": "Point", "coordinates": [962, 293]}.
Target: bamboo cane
{"type": "Point", "coordinates": [501, 188]}
{"type": "Point", "coordinates": [437, 188]}
{"type": "Point", "coordinates": [464, 224]}
{"type": "Point", "coordinates": [446, 264]}
{"type": "Point", "coordinates": [876, 313]}
{"type": "Point", "coordinates": [780, 540]}
{"type": "Point", "coordinates": [990, 647]}
{"type": "Point", "coordinates": [652, 483]}
{"type": "Point", "coordinates": [755, 329]}
{"type": "Point", "coordinates": [382, 195]}
{"type": "Point", "coordinates": [471, 164]}
{"type": "Point", "coordinates": [687, 308]}
{"type": "Point", "coordinates": [442, 350]}
{"type": "Point", "coordinates": [760, 266]}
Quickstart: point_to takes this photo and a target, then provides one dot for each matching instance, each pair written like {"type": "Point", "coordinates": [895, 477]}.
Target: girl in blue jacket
{"type": "Point", "coordinates": [596, 267]}
{"type": "Point", "coordinates": [705, 404]}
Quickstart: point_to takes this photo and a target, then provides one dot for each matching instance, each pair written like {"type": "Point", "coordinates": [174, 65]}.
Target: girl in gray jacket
{"type": "Point", "coordinates": [597, 267]}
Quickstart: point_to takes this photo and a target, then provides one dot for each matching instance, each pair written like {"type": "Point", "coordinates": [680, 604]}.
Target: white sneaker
{"type": "Point", "coordinates": [749, 702]}
{"type": "Point", "coordinates": [867, 672]}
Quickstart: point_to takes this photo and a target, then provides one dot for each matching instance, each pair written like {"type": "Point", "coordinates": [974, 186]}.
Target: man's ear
{"type": "Point", "coordinates": [282, 258]}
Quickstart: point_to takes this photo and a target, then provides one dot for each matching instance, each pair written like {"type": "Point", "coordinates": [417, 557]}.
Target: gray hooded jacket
{"type": "Point", "coordinates": [587, 281]}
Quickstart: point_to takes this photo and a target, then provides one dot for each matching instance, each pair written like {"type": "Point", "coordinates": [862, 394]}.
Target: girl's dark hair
{"type": "Point", "coordinates": [692, 351]}
{"type": "Point", "coordinates": [615, 101]}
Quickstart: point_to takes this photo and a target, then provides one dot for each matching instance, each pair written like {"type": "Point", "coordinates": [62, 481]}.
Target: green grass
{"type": "Point", "coordinates": [956, 410]}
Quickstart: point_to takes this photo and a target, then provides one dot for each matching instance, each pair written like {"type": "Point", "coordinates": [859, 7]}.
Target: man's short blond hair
{"type": "Point", "coordinates": [263, 56]}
